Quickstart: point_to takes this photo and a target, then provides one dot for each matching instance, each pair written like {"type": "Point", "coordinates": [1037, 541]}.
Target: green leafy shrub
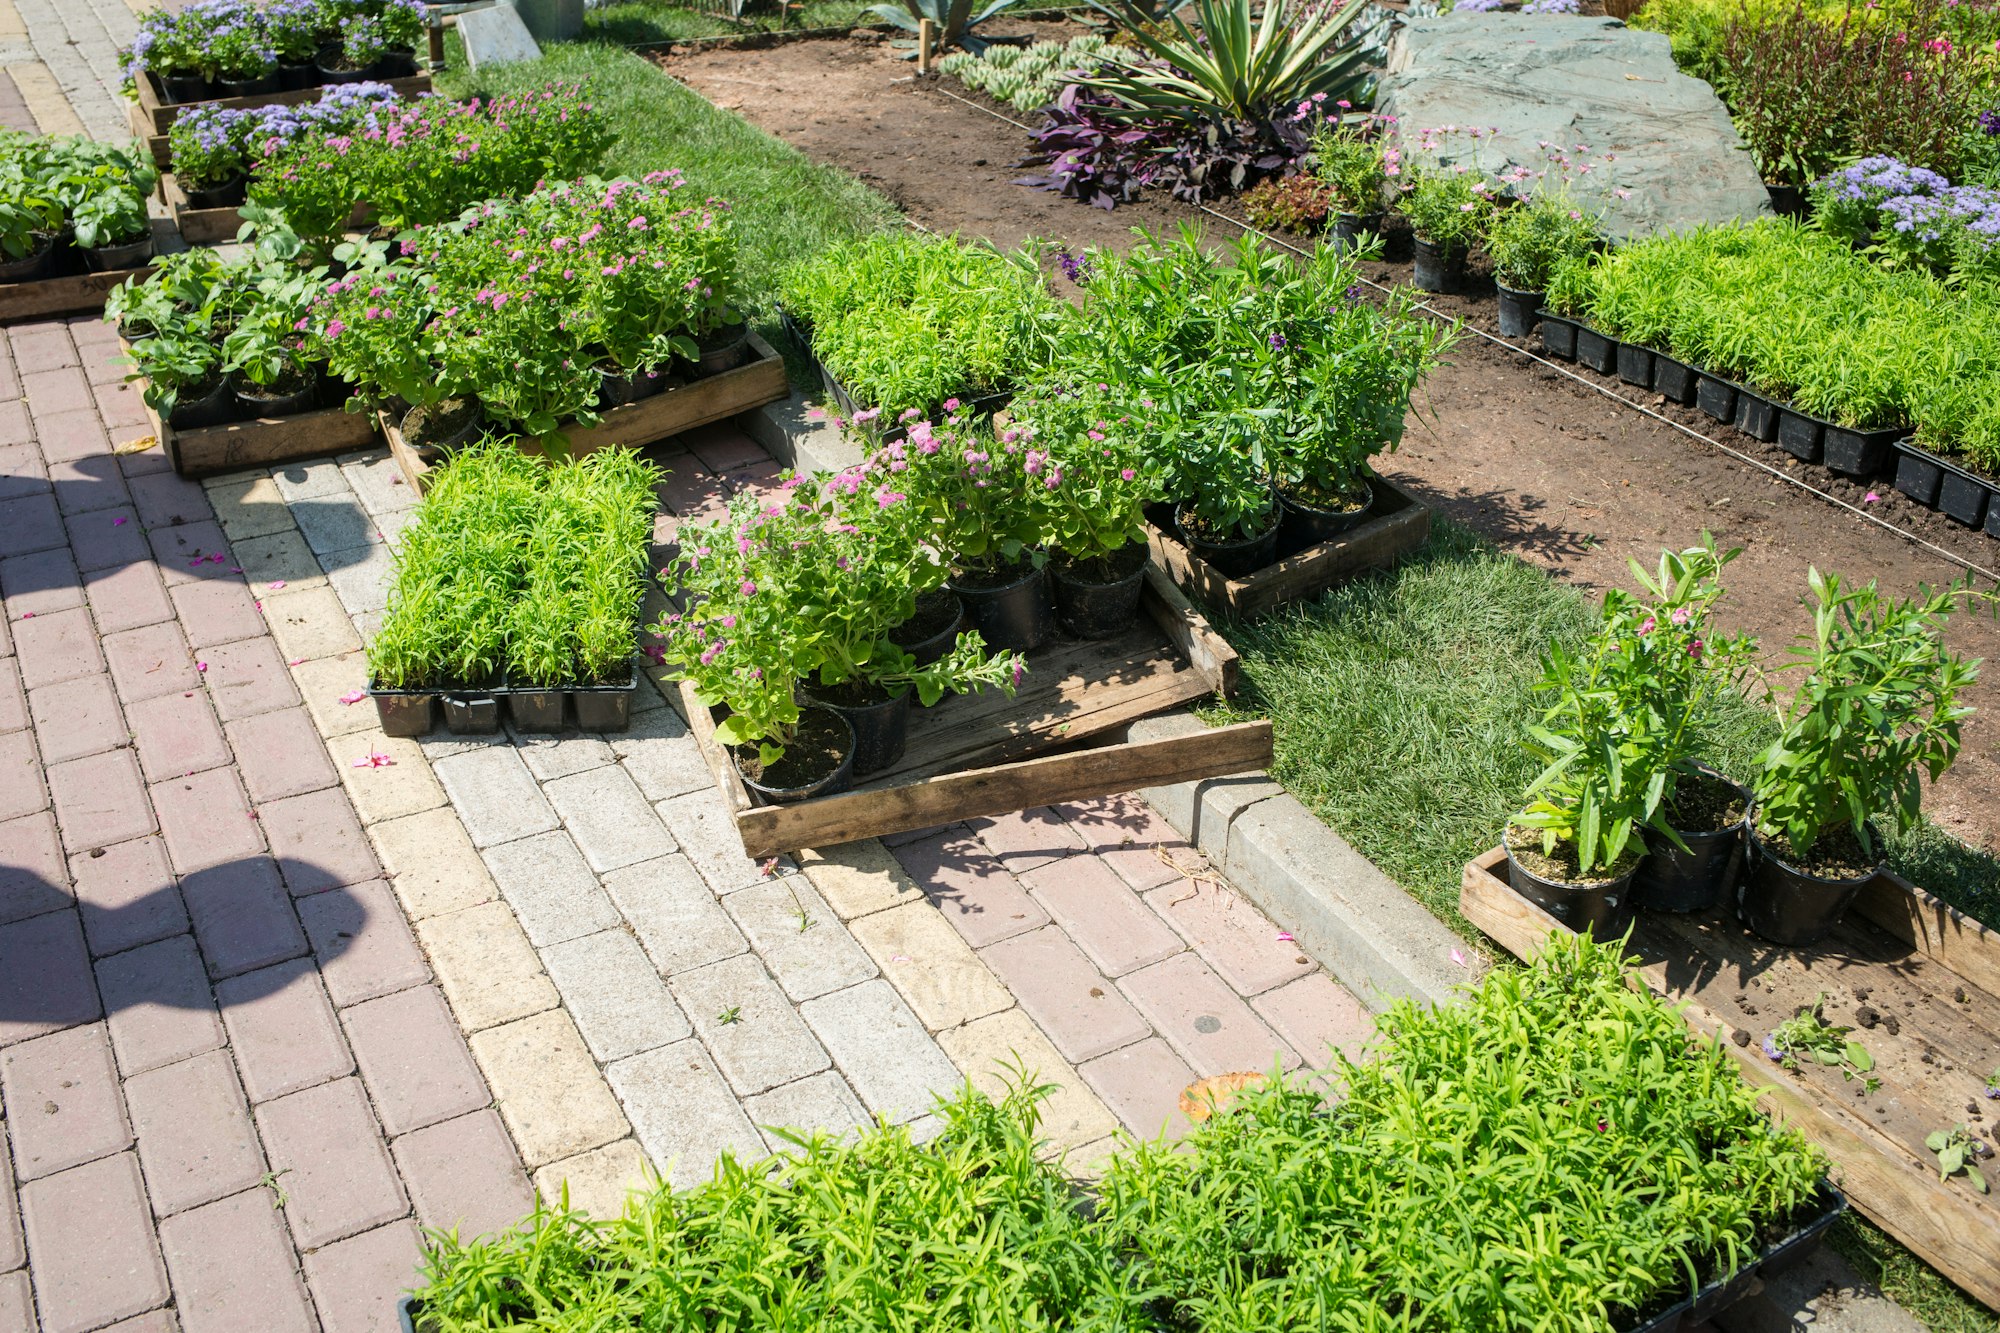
{"type": "Point", "coordinates": [521, 568]}
{"type": "Point", "coordinates": [1556, 1153]}
{"type": "Point", "coordinates": [1355, 161]}
{"type": "Point", "coordinates": [1529, 238]}
{"type": "Point", "coordinates": [905, 320]}
{"type": "Point", "coordinates": [99, 188]}
{"type": "Point", "coordinates": [1028, 78]}
{"type": "Point", "coordinates": [1446, 205]}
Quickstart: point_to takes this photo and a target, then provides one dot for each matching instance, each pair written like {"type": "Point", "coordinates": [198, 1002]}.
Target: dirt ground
{"type": "Point", "coordinates": [1542, 465]}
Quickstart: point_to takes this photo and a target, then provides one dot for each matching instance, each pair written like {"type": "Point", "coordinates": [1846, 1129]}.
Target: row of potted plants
{"type": "Point", "coordinates": [233, 48]}
{"type": "Point", "coordinates": [534, 314]}
{"type": "Point", "coordinates": [906, 320]}
{"type": "Point", "coordinates": [1792, 335]}
{"type": "Point", "coordinates": [212, 149]}
{"type": "Point", "coordinates": [1626, 814]}
{"type": "Point", "coordinates": [1554, 1153]}
{"type": "Point", "coordinates": [61, 198]}
{"type": "Point", "coordinates": [1912, 216]}
{"type": "Point", "coordinates": [216, 339]}
{"type": "Point", "coordinates": [520, 581]}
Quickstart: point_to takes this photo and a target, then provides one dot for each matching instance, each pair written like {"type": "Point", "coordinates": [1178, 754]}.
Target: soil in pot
{"type": "Point", "coordinates": [933, 629]}
{"type": "Point", "coordinates": [818, 762]}
{"type": "Point", "coordinates": [33, 265]}
{"type": "Point", "coordinates": [1708, 811]}
{"type": "Point", "coordinates": [881, 722]}
{"type": "Point", "coordinates": [1099, 598]}
{"type": "Point", "coordinates": [1231, 555]}
{"type": "Point", "coordinates": [1009, 605]}
{"type": "Point", "coordinates": [442, 425]}
{"type": "Point", "coordinates": [293, 392]}
{"type": "Point", "coordinates": [1601, 904]}
{"type": "Point", "coordinates": [1312, 516]}
{"type": "Point", "coordinates": [1519, 311]}
{"type": "Point", "coordinates": [1798, 902]}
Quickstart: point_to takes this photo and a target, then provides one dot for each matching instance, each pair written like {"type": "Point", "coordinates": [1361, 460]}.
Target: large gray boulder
{"type": "Point", "coordinates": [1575, 81]}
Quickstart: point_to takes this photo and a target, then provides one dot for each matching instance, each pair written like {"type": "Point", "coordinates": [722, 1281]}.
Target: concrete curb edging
{"type": "Point", "coordinates": [797, 440]}
{"type": "Point", "coordinates": [1359, 924]}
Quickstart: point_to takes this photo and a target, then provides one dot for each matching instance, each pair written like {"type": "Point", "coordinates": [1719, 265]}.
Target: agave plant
{"type": "Point", "coordinates": [951, 20]}
{"type": "Point", "coordinates": [1234, 70]}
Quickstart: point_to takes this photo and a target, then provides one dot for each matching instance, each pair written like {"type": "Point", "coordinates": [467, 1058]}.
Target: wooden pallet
{"type": "Point", "coordinates": [218, 226]}
{"type": "Point", "coordinates": [151, 116]}
{"type": "Point", "coordinates": [1915, 958]}
{"type": "Point", "coordinates": [79, 293]}
{"type": "Point", "coordinates": [1400, 525]}
{"type": "Point", "coordinates": [206, 450]}
{"type": "Point", "coordinates": [758, 381]}
{"type": "Point", "coordinates": [987, 754]}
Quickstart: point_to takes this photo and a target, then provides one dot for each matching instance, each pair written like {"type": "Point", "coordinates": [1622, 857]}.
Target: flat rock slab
{"type": "Point", "coordinates": [496, 36]}
{"type": "Point", "coordinates": [1569, 81]}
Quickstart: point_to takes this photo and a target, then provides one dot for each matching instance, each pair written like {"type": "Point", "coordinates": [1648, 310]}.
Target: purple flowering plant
{"type": "Point", "coordinates": [800, 585]}
{"type": "Point", "coordinates": [1092, 457]}
{"type": "Point", "coordinates": [980, 492]}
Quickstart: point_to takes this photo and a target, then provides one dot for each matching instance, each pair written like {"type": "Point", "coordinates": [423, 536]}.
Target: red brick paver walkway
{"type": "Point", "coordinates": [232, 1092]}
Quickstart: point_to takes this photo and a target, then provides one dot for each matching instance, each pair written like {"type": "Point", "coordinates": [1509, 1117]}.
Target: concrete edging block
{"type": "Point", "coordinates": [797, 440]}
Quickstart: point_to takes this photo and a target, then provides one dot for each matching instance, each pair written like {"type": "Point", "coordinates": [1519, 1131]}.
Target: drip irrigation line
{"type": "Point", "coordinates": [1641, 408]}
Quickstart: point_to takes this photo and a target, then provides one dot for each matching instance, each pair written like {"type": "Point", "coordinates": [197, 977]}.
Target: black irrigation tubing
{"type": "Point", "coordinates": [1571, 375]}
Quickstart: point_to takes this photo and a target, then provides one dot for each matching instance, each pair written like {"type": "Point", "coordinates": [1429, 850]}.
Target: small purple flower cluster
{"type": "Point", "coordinates": [1552, 7]}
{"type": "Point", "coordinates": [1911, 213]}
{"type": "Point", "coordinates": [1477, 7]}
{"type": "Point", "coordinates": [211, 143]}
{"type": "Point", "coordinates": [233, 39]}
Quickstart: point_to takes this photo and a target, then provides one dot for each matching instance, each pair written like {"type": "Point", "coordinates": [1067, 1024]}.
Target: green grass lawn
{"type": "Point", "coordinates": [640, 21]}
{"type": "Point", "coordinates": [785, 206]}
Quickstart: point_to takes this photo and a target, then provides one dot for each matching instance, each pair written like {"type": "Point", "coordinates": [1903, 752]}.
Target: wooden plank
{"type": "Point", "coordinates": [1206, 651]}
{"type": "Point", "coordinates": [69, 294]}
{"type": "Point", "coordinates": [153, 117]}
{"type": "Point", "coordinates": [701, 722]}
{"type": "Point", "coordinates": [1935, 929]}
{"type": "Point", "coordinates": [198, 226]}
{"type": "Point", "coordinates": [1881, 1166]}
{"type": "Point", "coordinates": [265, 440]}
{"type": "Point", "coordinates": [1400, 526]}
{"type": "Point", "coordinates": [1081, 775]}
{"type": "Point", "coordinates": [648, 421]}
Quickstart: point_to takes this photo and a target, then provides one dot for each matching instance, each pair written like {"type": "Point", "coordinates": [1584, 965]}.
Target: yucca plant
{"type": "Point", "coordinates": [1235, 69]}
{"type": "Point", "coordinates": [952, 21]}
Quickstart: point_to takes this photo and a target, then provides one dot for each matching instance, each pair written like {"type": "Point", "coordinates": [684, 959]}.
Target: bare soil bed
{"type": "Point", "coordinates": [1539, 463]}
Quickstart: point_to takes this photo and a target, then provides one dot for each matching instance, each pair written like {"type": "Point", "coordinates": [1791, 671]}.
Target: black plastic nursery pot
{"type": "Point", "coordinates": [1350, 229]}
{"type": "Point", "coordinates": [471, 427]}
{"type": "Point", "coordinates": [1017, 614]}
{"type": "Point", "coordinates": [254, 87]}
{"type": "Point", "coordinates": [229, 194]}
{"type": "Point", "coordinates": [1918, 473]}
{"type": "Point", "coordinates": [881, 727]}
{"type": "Point", "coordinates": [471, 713]}
{"type": "Point", "coordinates": [724, 350]}
{"type": "Point", "coordinates": [256, 403]}
{"type": "Point", "coordinates": [297, 78]}
{"type": "Point", "coordinates": [1715, 396]}
{"type": "Point", "coordinates": [927, 648]}
{"type": "Point", "coordinates": [1635, 364]}
{"type": "Point", "coordinates": [1558, 334]}
{"type": "Point", "coordinates": [1604, 909]}
{"type": "Point", "coordinates": [1694, 880]}
{"type": "Point", "coordinates": [184, 88]}
{"type": "Point", "coordinates": [1596, 350]}
{"type": "Point", "coordinates": [838, 780]}
{"type": "Point", "coordinates": [1246, 555]}
{"type": "Point", "coordinates": [1787, 201]}
{"type": "Point", "coordinates": [1673, 380]}
{"type": "Point", "coordinates": [534, 710]}
{"type": "Point", "coordinates": [212, 406]}
{"type": "Point", "coordinates": [398, 62]}
{"type": "Point", "coordinates": [1302, 525]}
{"type": "Point", "coordinates": [123, 255]}
{"type": "Point", "coordinates": [34, 265]}
{"type": "Point", "coordinates": [1756, 415]}
{"type": "Point", "coordinates": [329, 74]}
{"type": "Point", "coordinates": [1094, 607]}
{"type": "Point", "coordinates": [405, 713]}
{"type": "Point", "coordinates": [1785, 904]}
{"type": "Point", "coordinates": [1799, 435]}
{"type": "Point", "coordinates": [1964, 496]}
{"type": "Point", "coordinates": [606, 707]}
{"type": "Point", "coordinates": [1519, 311]}
{"type": "Point", "coordinates": [1856, 453]}
{"type": "Point", "coordinates": [1438, 269]}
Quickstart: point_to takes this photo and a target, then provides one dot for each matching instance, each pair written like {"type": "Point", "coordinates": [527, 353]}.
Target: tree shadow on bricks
{"type": "Point", "coordinates": [169, 946]}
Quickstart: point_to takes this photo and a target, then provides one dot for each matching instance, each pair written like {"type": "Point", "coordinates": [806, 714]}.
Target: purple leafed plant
{"type": "Point", "coordinates": [1085, 154]}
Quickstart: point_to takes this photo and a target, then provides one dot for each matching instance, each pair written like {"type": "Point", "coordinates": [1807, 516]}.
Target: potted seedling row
{"type": "Point", "coordinates": [517, 588]}
{"type": "Point", "coordinates": [73, 224]}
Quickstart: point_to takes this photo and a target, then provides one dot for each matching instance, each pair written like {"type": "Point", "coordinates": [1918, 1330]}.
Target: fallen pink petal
{"type": "Point", "coordinates": [374, 759]}
{"type": "Point", "coordinates": [1871, 497]}
{"type": "Point", "coordinates": [201, 666]}
{"type": "Point", "coordinates": [1458, 957]}
{"type": "Point", "coordinates": [1285, 935]}
{"type": "Point", "coordinates": [27, 615]}
{"type": "Point", "coordinates": [296, 661]}
{"type": "Point", "coordinates": [277, 584]}
{"type": "Point", "coordinates": [354, 696]}
{"type": "Point", "coordinates": [119, 522]}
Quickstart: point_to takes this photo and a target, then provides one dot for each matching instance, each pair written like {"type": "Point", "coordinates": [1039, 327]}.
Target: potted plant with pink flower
{"type": "Point", "coordinates": [788, 608]}
{"type": "Point", "coordinates": [1354, 159]}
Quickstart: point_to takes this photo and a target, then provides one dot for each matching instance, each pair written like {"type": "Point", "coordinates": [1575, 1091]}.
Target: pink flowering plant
{"type": "Point", "coordinates": [1097, 481]}
{"type": "Point", "coordinates": [517, 304]}
{"type": "Point", "coordinates": [981, 494]}
{"type": "Point", "coordinates": [1625, 714]}
{"type": "Point", "coordinates": [802, 587]}
{"type": "Point", "coordinates": [1445, 200]}
{"type": "Point", "coordinates": [1354, 158]}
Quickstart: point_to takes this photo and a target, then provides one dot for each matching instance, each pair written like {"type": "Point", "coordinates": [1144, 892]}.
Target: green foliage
{"type": "Point", "coordinates": [952, 21]}
{"type": "Point", "coordinates": [1808, 1036]}
{"type": "Point", "coordinates": [99, 188]}
{"type": "Point", "coordinates": [521, 568]}
{"type": "Point", "coordinates": [1355, 161]}
{"type": "Point", "coordinates": [1622, 722]}
{"type": "Point", "coordinates": [1232, 70]}
{"type": "Point", "coordinates": [1528, 239]}
{"type": "Point", "coordinates": [1446, 206]}
{"type": "Point", "coordinates": [1955, 1150]}
{"type": "Point", "coordinates": [1028, 78]}
{"type": "Point", "coordinates": [1877, 709]}
{"type": "Point", "coordinates": [906, 320]}
{"type": "Point", "coordinates": [1555, 1153]}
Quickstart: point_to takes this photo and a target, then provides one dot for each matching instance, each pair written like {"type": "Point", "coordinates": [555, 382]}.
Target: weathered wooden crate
{"type": "Point", "coordinates": [1399, 526]}
{"type": "Point", "coordinates": [152, 116]}
{"type": "Point", "coordinates": [1055, 740]}
{"type": "Point", "coordinates": [206, 450]}
{"type": "Point", "coordinates": [79, 293]}
{"type": "Point", "coordinates": [1923, 967]}
{"type": "Point", "coordinates": [217, 226]}
{"type": "Point", "coordinates": [758, 381]}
